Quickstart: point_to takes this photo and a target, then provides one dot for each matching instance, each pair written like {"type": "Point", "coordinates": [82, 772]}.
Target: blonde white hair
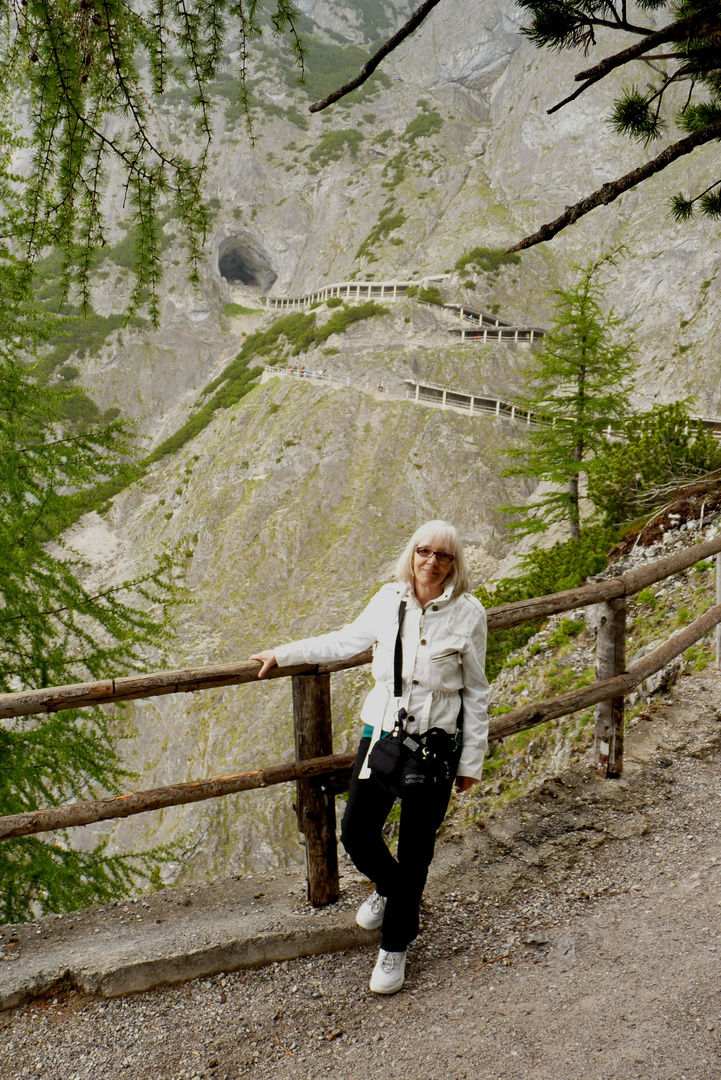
{"type": "Point", "coordinates": [441, 536]}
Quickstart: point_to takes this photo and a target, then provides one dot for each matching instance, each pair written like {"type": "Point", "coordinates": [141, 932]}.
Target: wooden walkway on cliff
{"type": "Point", "coordinates": [481, 325]}
{"type": "Point", "coordinates": [438, 396]}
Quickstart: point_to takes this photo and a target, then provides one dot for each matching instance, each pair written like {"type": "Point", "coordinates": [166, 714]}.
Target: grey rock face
{"type": "Point", "coordinates": [301, 495]}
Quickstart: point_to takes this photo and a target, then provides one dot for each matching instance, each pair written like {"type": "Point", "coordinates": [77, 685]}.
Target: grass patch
{"type": "Point", "coordinates": [387, 223]}
{"type": "Point", "coordinates": [231, 309]}
{"type": "Point", "coordinates": [334, 144]}
{"type": "Point", "coordinates": [486, 260]}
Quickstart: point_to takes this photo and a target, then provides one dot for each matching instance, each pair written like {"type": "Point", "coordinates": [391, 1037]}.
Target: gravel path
{"type": "Point", "coordinates": [574, 935]}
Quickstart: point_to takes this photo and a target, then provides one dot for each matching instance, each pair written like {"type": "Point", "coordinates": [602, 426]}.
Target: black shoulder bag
{"type": "Point", "coordinates": [402, 761]}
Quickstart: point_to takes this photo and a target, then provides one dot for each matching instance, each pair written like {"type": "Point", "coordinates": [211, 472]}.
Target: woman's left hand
{"type": "Point", "coordinates": [465, 783]}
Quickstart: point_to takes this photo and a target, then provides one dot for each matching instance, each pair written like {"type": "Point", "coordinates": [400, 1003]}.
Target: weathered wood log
{"type": "Point", "coordinates": [610, 661]}
{"type": "Point", "coordinates": [140, 802]}
{"type": "Point", "coordinates": [539, 607]}
{"type": "Point", "coordinates": [718, 601]}
{"type": "Point", "coordinates": [528, 716]}
{"type": "Point", "coordinates": [315, 807]}
{"type": "Point", "coordinates": [625, 585]}
{"type": "Point", "coordinates": [509, 724]}
{"type": "Point", "coordinates": [129, 688]}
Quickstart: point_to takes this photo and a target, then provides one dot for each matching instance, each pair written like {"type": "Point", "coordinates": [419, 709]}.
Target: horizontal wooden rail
{"type": "Point", "coordinates": [128, 688]}
{"type": "Point", "coordinates": [511, 723]}
{"type": "Point", "coordinates": [84, 813]}
{"type": "Point", "coordinates": [625, 585]}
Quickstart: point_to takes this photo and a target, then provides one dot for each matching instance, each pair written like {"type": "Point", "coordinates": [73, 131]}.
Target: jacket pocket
{"type": "Point", "coordinates": [445, 671]}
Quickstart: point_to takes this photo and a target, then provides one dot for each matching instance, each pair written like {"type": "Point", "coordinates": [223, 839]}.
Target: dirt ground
{"type": "Point", "coordinates": [575, 934]}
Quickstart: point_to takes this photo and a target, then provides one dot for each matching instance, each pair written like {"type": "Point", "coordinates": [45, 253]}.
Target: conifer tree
{"type": "Point", "coordinates": [662, 450]}
{"type": "Point", "coordinates": [577, 386]}
{"type": "Point", "coordinates": [54, 630]}
{"type": "Point", "coordinates": [93, 74]}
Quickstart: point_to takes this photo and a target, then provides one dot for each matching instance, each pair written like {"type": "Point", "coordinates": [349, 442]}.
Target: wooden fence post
{"type": "Point", "coordinates": [315, 806]}
{"type": "Point", "coordinates": [610, 661]}
{"type": "Point", "coordinates": [718, 601]}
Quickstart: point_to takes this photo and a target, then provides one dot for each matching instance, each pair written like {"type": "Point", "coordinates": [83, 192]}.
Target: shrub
{"type": "Point", "coordinates": [564, 566]}
{"type": "Point", "coordinates": [647, 597]}
{"type": "Point", "coordinates": [431, 295]}
{"type": "Point", "coordinates": [663, 447]}
{"type": "Point", "coordinates": [486, 260]}
{"type": "Point", "coordinates": [334, 144]}
{"type": "Point", "coordinates": [428, 122]}
{"type": "Point", "coordinates": [387, 223]}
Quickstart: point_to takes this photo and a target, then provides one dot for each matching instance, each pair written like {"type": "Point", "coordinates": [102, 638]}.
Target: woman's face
{"type": "Point", "coordinates": [429, 570]}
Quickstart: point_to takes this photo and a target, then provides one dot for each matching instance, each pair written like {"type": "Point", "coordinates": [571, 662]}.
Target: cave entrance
{"type": "Point", "coordinates": [244, 261]}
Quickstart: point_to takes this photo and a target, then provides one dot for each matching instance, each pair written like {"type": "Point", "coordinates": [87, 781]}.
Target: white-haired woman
{"type": "Point", "coordinates": [442, 631]}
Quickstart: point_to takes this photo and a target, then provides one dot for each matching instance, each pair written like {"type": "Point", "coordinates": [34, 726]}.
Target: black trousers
{"type": "Point", "coordinates": [400, 879]}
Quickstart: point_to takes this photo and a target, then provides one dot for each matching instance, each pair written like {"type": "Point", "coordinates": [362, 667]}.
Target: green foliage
{"type": "Point", "coordinates": [334, 144]}
{"type": "Point", "coordinates": [394, 171]}
{"type": "Point", "coordinates": [93, 79]}
{"type": "Point", "coordinates": [564, 566]}
{"type": "Point", "coordinates": [663, 448]}
{"type": "Point", "coordinates": [428, 122]}
{"type": "Point", "coordinates": [647, 597]}
{"type": "Point", "coordinates": [430, 294]}
{"type": "Point", "coordinates": [334, 302]}
{"type": "Point", "coordinates": [327, 66]}
{"type": "Point", "coordinates": [566, 629]}
{"type": "Point", "coordinates": [387, 223]}
{"type": "Point", "coordinates": [485, 260]}
{"type": "Point", "coordinates": [54, 630]}
{"type": "Point", "coordinates": [232, 309]}
{"type": "Point", "coordinates": [578, 385]}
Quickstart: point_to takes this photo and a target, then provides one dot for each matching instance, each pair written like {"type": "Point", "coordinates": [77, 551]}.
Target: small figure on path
{"type": "Point", "coordinates": [429, 638]}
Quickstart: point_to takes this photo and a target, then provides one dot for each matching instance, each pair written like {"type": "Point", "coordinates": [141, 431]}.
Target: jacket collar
{"type": "Point", "coordinates": [406, 592]}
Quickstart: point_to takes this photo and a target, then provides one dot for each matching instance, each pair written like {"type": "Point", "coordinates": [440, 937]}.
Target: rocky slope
{"type": "Point", "coordinates": [296, 500]}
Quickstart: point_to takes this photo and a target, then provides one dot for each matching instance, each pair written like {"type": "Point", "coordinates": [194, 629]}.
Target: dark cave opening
{"type": "Point", "coordinates": [242, 260]}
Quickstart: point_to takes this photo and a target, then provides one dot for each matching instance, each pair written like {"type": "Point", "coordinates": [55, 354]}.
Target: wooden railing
{"type": "Point", "coordinates": [318, 772]}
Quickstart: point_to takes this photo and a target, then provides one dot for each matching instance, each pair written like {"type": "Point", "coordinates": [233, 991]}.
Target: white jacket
{"type": "Point", "coordinates": [444, 652]}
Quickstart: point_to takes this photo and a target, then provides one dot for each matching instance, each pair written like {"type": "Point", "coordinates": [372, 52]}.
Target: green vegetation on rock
{"type": "Point", "coordinates": [485, 260]}
{"type": "Point", "coordinates": [388, 222]}
{"type": "Point", "coordinates": [564, 566]}
{"type": "Point", "coordinates": [334, 144]}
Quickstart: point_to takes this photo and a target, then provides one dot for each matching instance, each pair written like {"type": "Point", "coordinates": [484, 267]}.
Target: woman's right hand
{"type": "Point", "coordinates": [268, 661]}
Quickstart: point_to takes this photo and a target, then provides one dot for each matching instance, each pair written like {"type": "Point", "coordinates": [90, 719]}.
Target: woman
{"type": "Point", "coordinates": [443, 637]}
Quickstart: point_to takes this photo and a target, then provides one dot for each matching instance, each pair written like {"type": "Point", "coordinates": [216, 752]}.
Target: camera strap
{"type": "Point", "coordinates": [398, 654]}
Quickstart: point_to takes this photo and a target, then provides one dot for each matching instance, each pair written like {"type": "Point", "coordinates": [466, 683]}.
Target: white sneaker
{"type": "Point", "coordinates": [370, 913]}
{"type": "Point", "coordinates": [389, 974]}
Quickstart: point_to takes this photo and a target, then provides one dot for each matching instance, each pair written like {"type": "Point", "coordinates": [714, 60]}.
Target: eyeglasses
{"type": "Point", "coordinates": [442, 556]}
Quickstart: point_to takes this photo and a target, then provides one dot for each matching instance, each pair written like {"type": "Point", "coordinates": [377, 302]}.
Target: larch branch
{"type": "Point", "coordinates": [367, 70]}
{"type": "Point", "coordinates": [609, 192]}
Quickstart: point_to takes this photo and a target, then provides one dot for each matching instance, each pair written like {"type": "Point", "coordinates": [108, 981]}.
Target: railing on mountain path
{"type": "Point", "coordinates": [502, 335]}
{"type": "Point", "coordinates": [318, 772]}
{"type": "Point", "coordinates": [487, 327]}
{"type": "Point", "coordinates": [449, 397]}
{"type": "Point", "coordinates": [351, 290]}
